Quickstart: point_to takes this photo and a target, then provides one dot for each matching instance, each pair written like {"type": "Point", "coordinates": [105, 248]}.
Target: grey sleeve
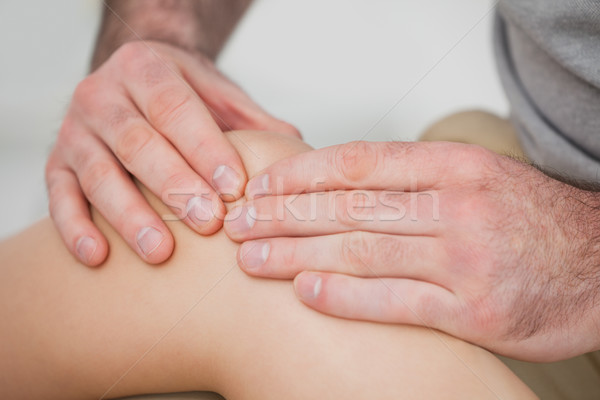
{"type": "Point", "coordinates": [548, 57]}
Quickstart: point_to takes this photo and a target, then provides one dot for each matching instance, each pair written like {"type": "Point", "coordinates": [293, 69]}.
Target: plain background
{"type": "Point", "coordinates": [339, 70]}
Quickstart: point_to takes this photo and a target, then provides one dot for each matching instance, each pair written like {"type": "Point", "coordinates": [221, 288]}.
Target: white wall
{"type": "Point", "coordinates": [340, 70]}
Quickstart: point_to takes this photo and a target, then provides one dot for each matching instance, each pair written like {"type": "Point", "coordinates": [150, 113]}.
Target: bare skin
{"type": "Point", "coordinates": [508, 236]}
{"type": "Point", "coordinates": [154, 94]}
{"type": "Point", "coordinates": [481, 246]}
{"type": "Point", "coordinates": [198, 322]}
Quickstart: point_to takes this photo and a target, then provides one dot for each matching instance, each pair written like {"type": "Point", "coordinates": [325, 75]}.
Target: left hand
{"type": "Point", "coordinates": [449, 236]}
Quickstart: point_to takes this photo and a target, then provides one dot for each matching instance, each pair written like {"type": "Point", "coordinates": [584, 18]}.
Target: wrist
{"type": "Point", "coordinates": [201, 26]}
{"type": "Point", "coordinates": [594, 259]}
{"type": "Point", "coordinates": [130, 20]}
{"type": "Point", "coordinates": [585, 218]}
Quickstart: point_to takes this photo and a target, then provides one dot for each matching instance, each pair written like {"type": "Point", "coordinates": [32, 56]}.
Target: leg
{"type": "Point", "coordinates": [198, 323]}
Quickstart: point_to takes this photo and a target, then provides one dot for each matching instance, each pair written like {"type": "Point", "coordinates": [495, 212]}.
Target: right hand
{"type": "Point", "coordinates": [156, 112]}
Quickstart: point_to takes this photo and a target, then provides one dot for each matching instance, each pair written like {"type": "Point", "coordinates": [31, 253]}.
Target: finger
{"type": "Point", "coordinates": [70, 212]}
{"type": "Point", "coordinates": [154, 162]}
{"type": "Point", "coordinates": [357, 253]}
{"type": "Point", "coordinates": [388, 300]}
{"type": "Point", "coordinates": [323, 213]}
{"type": "Point", "coordinates": [175, 110]}
{"type": "Point", "coordinates": [229, 105]}
{"type": "Point", "coordinates": [110, 189]}
{"type": "Point", "coordinates": [364, 165]}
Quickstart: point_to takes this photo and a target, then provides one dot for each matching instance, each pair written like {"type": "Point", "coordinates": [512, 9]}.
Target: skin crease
{"type": "Point", "coordinates": [72, 332]}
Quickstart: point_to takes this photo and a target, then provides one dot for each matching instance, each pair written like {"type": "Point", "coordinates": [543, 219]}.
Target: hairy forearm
{"type": "Point", "coordinates": [577, 211]}
{"type": "Point", "coordinates": [589, 223]}
{"type": "Point", "coordinates": [198, 25]}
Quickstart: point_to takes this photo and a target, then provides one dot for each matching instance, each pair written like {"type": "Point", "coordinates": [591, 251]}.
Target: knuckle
{"type": "Point", "coordinates": [361, 205]}
{"type": "Point", "coordinates": [169, 106]}
{"type": "Point", "coordinates": [131, 143]}
{"type": "Point", "coordinates": [291, 257]}
{"type": "Point", "coordinates": [482, 316]}
{"type": "Point", "coordinates": [402, 253]}
{"type": "Point", "coordinates": [95, 176]}
{"type": "Point", "coordinates": [154, 73]}
{"type": "Point", "coordinates": [50, 168]}
{"type": "Point", "coordinates": [180, 183]}
{"type": "Point", "coordinates": [130, 52]}
{"type": "Point", "coordinates": [476, 212]}
{"type": "Point", "coordinates": [353, 209]}
{"type": "Point", "coordinates": [52, 208]}
{"type": "Point", "coordinates": [85, 92]}
{"type": "Point", "coordinates": [196, 151]}
{"type": "Point", "coordinates": [140, 64]}
{"type": "Point", "coordinates": [357, 253]}
{"type": "Point", "coordinates": [67, 132]}
{"type": "Point", "coordinates": [69, 148]}
{"type": "Point", "coordinates": [61, 215]}
{"type": "Point", "coordinates": [431, 310]}
{"type": "Point", "coordinates": [56, 195]}
{"type": "Point", "coordinates": [355, 161]}
{"type": "Point", "coordinates": [124, 214]}
{"type": "Point", "coordinates": [119, 116]}
{"type": "Point", "coordinates": [473, 160]}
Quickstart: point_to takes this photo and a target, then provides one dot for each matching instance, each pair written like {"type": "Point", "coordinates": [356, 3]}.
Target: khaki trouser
{"type": "Point", "coordinates": [574, 379]}
{"type": "Point", "coordinates": [579, 377]}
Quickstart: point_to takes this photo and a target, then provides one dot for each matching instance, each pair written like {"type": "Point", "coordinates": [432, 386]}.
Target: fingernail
{"type": "Point", "coordinates": [148, 239]}
{"type": "Point", "coordinates": [199, 210]}
{"type": "Point", "coordinates": [259, 186]}
{"type": "Point", "coordinates": [86, 247]}
{"type": "Point", "coordinates": [254, 254]}
{"type": "Point", "coordinates": [243, 219]}
{"type": "Point", "coordinates": [308, 286]}
{"type": "Point", "coordinates": [226, 181]}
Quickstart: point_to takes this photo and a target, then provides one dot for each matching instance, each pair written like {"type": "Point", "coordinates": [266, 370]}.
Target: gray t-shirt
{"type": "Point", "coordinates": [548, 55]}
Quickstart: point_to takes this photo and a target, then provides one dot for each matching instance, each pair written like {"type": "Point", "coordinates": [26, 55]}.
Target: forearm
{"type": "Point", "coordinates": [199, 25]}
{"type": "Point", "coordinates": [584, 219]}
{"type": "Point", "coordinates": [571, 225]}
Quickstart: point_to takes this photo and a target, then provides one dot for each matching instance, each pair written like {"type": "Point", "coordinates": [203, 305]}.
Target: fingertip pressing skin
{"type": "Point", "coordinates": [260, 185]}
{"type": "Point", "coordinates": [154, 242]}
{"type": "Point", "coordinates": [204, 215]}
{"type": "Point", "coordinates": [228, 183]}
{"type": "Point", "coordinates": [91, 249]}
{"type": "Point", "coordinates": [239, 221]}
{"type": "Point", "coordinates": [149, 239]}
{"type": "Point", "coordinates": [309, 288]}
{"type": "Point", "coordinates": [252, 255]}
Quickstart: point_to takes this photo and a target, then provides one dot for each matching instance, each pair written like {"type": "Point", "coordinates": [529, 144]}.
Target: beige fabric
{"type": "Point", "coordinates": [579, 377]}
{"type": "Point", "coordinates": [477, 127]}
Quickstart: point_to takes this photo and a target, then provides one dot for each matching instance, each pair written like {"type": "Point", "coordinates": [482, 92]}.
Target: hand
{"type": "Point", "coordinates": [156, 112]}
{"type": "Point", "coordinates": [448, 236]}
